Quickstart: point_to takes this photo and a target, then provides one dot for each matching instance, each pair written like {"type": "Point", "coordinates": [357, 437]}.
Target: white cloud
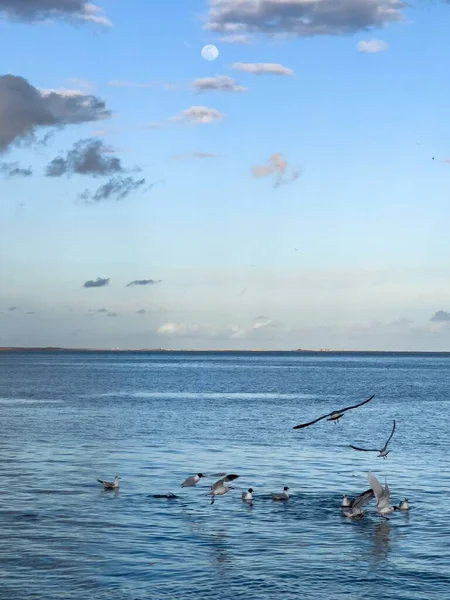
{"type": "Point", "coordinates": [263, 68]}
{"type": "Point", "coordinates": [236, 38]}
{"type": "Point", "coordinates": [372, 46]}
{"type": "Point", "coordinates": [207, 331]}
{"type": "Point", "coordinates": [200, 155]}
{"type": "Point", "coordinates": [264, 324]}
{"type": "Point", "coordinates": [301, 18]}
{"type": "Point", "coordinates": [199, 115]}
{"type": "Point", "coordinates": [276, 164]}
{"type": "Point", "coordinates": [219, 83]}
{"type": "Point", "coordinates": [170, 87]}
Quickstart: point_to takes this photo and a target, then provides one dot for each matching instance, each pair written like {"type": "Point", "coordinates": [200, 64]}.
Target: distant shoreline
{"type": "Point", "coordinates": [212, 351]}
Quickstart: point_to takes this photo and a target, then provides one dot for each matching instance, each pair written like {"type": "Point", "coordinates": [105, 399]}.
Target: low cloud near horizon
{"type": "Point", "coordinates": [440, 316]}
{"type": "Point", "coordinates": [143, 282]}
{"type": "Point", "coordinates": [97, 283]}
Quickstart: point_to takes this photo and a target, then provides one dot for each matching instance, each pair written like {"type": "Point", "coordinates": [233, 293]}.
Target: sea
{"type": "Point", "coordinates": [70, 418]}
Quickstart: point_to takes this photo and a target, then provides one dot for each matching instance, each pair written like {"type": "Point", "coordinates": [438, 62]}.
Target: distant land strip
{"type": "Point", "coordinates": [212, 351]}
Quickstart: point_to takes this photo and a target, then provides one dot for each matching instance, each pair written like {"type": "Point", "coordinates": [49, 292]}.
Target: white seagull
{"type": "Point", "coordinates": [283, 496]}
{"type": "Point", "coordinates": [382, 495]}
{"type": "Point", "coordinates": [383, 452]}
{"type": "Point", "coordinates": [108, 485]}
{"type": "Point", "coordinates": [335, 415]}
{"type": "Point", "coordinates": [247, 496]}
{"type": "Point", "coordinates": [219, 488]}
{"type": "Point", "coordinates": [192, 481]}
{"type": "Point", "coordinates": [353, 510]}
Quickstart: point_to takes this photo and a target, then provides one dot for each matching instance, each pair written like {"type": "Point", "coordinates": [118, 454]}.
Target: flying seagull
{"type": "Point", "coordinates": [383, 452]}
{"type": "Point", "coordinates": [353, 510]}
{"type": "Point", "coordinates": [283, 496]}
{"type": "Point", "coordinates": [335, 415]}
{"type": "Point", "coordinates": [219, 488]}
{"type": "Point", "coordinates": [192, 481]}
{"type": "Point", "coordinates": [382, 495]}
{"type": "Point", "coordinates": [247, 496]}
{"type": "Point", "coordinates": [107, 485]}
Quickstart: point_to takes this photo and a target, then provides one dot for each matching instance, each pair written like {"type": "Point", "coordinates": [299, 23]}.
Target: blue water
{"type": "Point", "coordinates": [68, 418]}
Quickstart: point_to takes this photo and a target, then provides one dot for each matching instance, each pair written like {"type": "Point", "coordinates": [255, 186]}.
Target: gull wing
{"type": "Point", "coordinates": [384, 500]}
{"type": "Point", "coordinates": [312, 422]}
{"type": "Point", "coordinates": [362, 499]}
{"type": "Point", "coordinates": [364, 449]}
{"type": "Point", "coordinates": [356, 405]}
{"type": "Point", "coordinates": [376, 486]}
{"type": "Point", "coordinates": [231, 477]}
{"type": "Point", "coordinates": [390, 437]}
{"type": "Point", "coordinates": [189, 482]}
{"type": "Point", "coordinates": [225, 479]}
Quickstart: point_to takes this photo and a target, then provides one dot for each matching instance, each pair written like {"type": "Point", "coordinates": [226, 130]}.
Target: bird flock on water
{"type": "Point", "coordinates": [350, 508]}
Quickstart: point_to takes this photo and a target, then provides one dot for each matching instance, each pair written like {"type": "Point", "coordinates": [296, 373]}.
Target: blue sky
{"type": "Point", "coordinates": [354, 253]}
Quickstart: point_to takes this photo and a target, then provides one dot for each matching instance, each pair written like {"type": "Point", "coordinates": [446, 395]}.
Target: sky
{"type": "Point", "coordinates": [292, 193]}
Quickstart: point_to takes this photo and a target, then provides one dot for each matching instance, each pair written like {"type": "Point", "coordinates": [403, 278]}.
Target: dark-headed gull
{"type": "Point", "coordinates": [219, 488]}
{"type": "Point", "coordinates": [335, 415]}
{"type": "Point", "coordinates": [382, 495]}
{"type": "Point", "coordinates": [192, 481]}
{"type": "Point", "coordinates": [248, 495]}
{"type": "Point", "coordinates": [283, 496]}
{"type": "Point", "coordinates": [108, 485]}
{"type": "Point", "coordinates": [384, 451]}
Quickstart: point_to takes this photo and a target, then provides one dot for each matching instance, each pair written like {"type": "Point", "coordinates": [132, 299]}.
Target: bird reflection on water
{"type": "Point", "coordinates": [381, 541]}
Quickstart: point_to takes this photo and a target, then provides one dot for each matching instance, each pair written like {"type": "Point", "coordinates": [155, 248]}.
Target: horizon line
{"type": "Point", "coordinates": [214, 350]}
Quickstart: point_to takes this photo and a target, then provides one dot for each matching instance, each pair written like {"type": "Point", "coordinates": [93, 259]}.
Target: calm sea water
{"type": "Point", "coordinates": [67, 419]}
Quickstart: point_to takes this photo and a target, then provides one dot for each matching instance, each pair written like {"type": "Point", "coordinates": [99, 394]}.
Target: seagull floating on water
{"type": "Point", "coordinates": [382, 495]}
{"type": "Point", "coordinates": [353, 510]}
{"type": "Point", "coordinates": [247, 496]}
{"type": "Point", "coordinates": [283, 496]}
{"type": "Point", "coordinates": [108, 485]}
{"type": "Point", "coordinates": [404, 505]}
{"type": "Point", "coordinates": [383, 452]}
{"type": "Point", "coordinates": [219, 488]}
{"type": "Point", "coordinates": [192, 481]}
{"type": "Point", "coordinates": [168, 496]}
{"type": "Point", "coordinates": [335, 415]}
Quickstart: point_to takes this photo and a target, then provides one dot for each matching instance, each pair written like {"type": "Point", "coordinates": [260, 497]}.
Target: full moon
{"type": "Point", "coordinates": [210, 52]}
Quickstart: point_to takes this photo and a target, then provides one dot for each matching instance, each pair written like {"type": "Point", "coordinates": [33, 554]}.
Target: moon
{"type": "Point", "coordinates": [210, 52]}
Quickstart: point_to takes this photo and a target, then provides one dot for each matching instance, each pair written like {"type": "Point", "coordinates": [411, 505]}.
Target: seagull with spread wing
{"type": "Point", "coordinates": [383, 452]}
{"type": "Point", "coordinates": [382, 494]}
{"type": "Point", "coordinates": [219, 488]}
{"type": "Point", "coordinates": [335, 415]}
{"type": "Point", "coordinates": [110, 485]}
{"type": "Point", "coordinates": [353, 510]}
